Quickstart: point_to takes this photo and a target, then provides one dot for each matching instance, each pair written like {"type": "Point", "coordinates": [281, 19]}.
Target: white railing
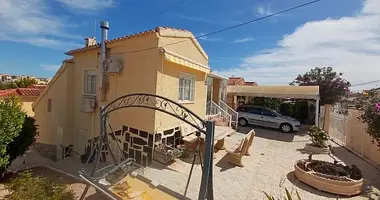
{"type": "Point", "coordinates": [230, 111]}
{"type": "Point", "coordinates": [214, 111]}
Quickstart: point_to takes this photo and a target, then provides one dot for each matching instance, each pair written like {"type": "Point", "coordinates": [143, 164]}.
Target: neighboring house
{"type": "Point", "coordinates": [241, 99]}
{"type": "Point", "coordinates": [67, 112]}
{"type": "Point", "coordinates": [6, 78]}
{"type": "Point", "coordinates": [26, 95]}
{"type": "Point", "coordinates": [240, 81]}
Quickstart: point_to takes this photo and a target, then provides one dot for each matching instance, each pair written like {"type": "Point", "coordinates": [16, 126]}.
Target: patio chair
{"type": "Point", "coordinates": [250, 141]}
{"type": "Point", "coordinates": [235, 154]}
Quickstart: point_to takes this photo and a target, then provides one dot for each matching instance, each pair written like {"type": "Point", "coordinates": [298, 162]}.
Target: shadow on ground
{"type": "Point", "coordinates": [270, 134]}
{"type": "Point", "coordinates": [224, 164]}
{"type": "Point", "coordinates": [160, 166]}
{"type": "Point", "coordinates": [366, 168]}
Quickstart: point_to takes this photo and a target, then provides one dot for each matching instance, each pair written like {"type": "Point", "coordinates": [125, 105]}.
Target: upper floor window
{"type": "Point", "coordinates": [186, 87]}
{"type": "Point", "coordinates": [89, 82]}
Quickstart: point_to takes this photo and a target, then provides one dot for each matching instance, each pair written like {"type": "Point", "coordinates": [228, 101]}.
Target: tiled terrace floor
{"type": "Point", "coordinates": [270, 169]}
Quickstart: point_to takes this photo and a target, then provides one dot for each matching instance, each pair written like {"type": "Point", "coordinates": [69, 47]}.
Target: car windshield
{"type": "Point", "coordinates": [276, 113]}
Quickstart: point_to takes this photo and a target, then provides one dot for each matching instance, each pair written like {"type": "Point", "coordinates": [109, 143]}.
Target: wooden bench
{"type": "Point", "coordinates": [238, 145]}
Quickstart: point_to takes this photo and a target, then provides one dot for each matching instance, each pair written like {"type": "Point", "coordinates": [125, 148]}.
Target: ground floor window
{"type": "Point", "coordinates": [186, 87]}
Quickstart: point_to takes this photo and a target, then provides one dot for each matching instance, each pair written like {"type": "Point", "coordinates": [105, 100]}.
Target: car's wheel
{"type": "Point", "coordinates": [242, 122]}
{"type": "Point", "coordinates": [286, 127]}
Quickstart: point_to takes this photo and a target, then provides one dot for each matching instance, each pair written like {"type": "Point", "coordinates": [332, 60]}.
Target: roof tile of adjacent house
{"type": "Point", "coordinates": [156, 30]}
{"type": "Point", "coordinates": [240, 81]}
{"type": "Point", "coordinates": [24, 92]}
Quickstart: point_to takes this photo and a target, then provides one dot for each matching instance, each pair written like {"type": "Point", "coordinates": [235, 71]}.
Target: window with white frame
{"type": "Point", "coordinates": [186, 87]}
{"type": "Point", "coordinates": [89, 82]}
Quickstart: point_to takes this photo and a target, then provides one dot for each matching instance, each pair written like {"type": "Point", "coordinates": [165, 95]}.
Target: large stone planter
{"type": "Point", "coordinates": [316, 150]}
{"type": "Point", "coordinates": [332, 184]}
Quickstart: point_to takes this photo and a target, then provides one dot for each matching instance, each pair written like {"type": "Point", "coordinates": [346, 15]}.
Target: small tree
{"type": "Point", "coordinates": [318, 137]}
{"type": "Point", "coordinates": [331, 84]}
{"type": "Point", "coordinates": [25, 82]}
{"type": "Point", "coordinates": [11, 121]}
{"type": "Point", "coordinates": [370, 104]}
{"type": "Point", "coordinates": [24, 140]}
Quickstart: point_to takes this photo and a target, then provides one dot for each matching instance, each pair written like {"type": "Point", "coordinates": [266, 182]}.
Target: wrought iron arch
{"type": "Point", "coordinates": [155, 102]}
{"type": "Point", "coordinates": [170, 107]}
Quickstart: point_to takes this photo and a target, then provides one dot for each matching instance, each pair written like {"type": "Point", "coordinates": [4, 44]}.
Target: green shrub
{"type": "Point", "coordinates": [288, 196]}
{"type": "Point", "coordinates": [318, 136]}
{"type": "Point", "coordinates": [22, 142]}
{"type": "Point", "coordinates": [29, 187]}
{"type": "Point", "coordinates": [11, 122]}
{"type": "Point", "coordinates": [370, 103]}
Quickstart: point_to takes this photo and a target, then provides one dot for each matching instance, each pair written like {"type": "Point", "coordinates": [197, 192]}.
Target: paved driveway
{"type": "Point", "coordinates": [270, 169]}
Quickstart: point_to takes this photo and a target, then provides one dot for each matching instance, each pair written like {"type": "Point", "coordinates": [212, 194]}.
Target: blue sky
{"type": "Point", "coordinates": [272, 51]}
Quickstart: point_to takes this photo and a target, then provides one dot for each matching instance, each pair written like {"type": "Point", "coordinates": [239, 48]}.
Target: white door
{"type": "Point", "coordinates": [80, 141]}
{"type": "Point", "coordinates": [59, 143]}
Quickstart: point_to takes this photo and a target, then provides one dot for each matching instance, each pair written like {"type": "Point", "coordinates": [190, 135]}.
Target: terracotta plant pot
{"type": "Point", "coordinates": [316, 150]}
{"type": "Point", "coordinates": [332, 184]}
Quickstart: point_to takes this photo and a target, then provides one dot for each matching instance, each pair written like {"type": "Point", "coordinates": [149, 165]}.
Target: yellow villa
{"type": "Point", "coordinates": [67, 111]}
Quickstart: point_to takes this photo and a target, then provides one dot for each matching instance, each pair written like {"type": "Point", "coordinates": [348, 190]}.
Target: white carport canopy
{"type": "Point", "coordinates": [296, 92]}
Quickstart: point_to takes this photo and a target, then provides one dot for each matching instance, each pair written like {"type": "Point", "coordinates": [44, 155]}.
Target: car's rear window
{"type": "Point", "coordinates": [242, 109]}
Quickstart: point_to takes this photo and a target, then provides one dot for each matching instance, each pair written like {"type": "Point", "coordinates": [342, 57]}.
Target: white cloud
{"type": "Point", "coordinates": [207, 38]}
{"type": "Point", "coordinates": [30, 17]}
{"type": "Point", "coordinates": [263, 10]}
{"type": "Point", "coordinates": [243, 40]}
{"type": "Point", "coordinates": [349, 44]}
{"type": "Point", "coordinates": [50, 67]}
{"type": "Point", "coordinates": [87, 4]}
{"type": "Point", "coordinates": [32, 22]}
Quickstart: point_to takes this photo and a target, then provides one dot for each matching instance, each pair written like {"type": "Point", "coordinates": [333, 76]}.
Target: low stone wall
{"type": "Point", "coordinates": [46, 150]}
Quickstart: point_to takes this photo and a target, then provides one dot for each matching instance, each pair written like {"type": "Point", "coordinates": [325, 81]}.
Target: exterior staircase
{"type": "Point", "coordinates": [222, 114]}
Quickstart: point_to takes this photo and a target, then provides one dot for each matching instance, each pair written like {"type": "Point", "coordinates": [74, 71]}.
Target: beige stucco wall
{"type": "Point", "coordinates": [143, 72]}
{"type": "Point", "coordinates": [49, 121]}
{"type": "Point", "coordinates": [27, 105]}
{"type": "Point", "coordinates": [185, 47]}
{"type": "Point", "coordinates": [168, 82]}
{"type": "Point", "coordinates": [137, 76]}
{"type": "Point", "coordinates": [168, 87]}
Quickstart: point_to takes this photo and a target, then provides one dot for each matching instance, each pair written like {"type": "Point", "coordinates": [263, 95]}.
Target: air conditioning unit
{"type": "Point", "coordinates": [112, 66]}
{"type": "Point", "coordinates": [89, 104]}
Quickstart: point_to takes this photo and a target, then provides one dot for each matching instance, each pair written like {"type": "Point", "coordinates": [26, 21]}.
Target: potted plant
{"type": "Point", "coordinates": [330, 177]}
{"type": "Point", "coordinates": [319, 140]}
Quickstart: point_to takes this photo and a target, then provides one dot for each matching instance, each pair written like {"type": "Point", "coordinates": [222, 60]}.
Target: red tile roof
{"type": "Point", "coordinates": [37, 86]}
{"type": "Point", "coordinates": [251, 83]}
{"type": "Point", "coordinates": [97, 45]}
{"type": "Point", "coordinates": [240, 81]}
{"type": "Point", "coordinates": [8, 92]}
{"type": "Point", "coordinates": [25, 92]}
{"type": "Point", "coordinates": [234, 80]}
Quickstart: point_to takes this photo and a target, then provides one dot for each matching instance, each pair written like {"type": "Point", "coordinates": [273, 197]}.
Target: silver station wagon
{"type": "Point", "coordinates": [266, 117]}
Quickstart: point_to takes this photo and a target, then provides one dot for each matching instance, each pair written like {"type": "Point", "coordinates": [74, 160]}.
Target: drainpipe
{"type": "Point", "coordinates": [104, 25]}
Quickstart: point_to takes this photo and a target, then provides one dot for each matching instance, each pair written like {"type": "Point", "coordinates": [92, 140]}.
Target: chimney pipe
{"type": "Point", "coordinates": [104, 25]}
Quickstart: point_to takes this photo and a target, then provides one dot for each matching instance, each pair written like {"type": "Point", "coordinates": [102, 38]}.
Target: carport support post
{"type": "Point", "coordinates": [317, 112]}
{"type": "Point", "coordinates": [206, 189]}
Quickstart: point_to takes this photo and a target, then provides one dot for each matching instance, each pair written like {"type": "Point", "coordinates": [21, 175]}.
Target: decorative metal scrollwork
{"type": "Point", "coordinates": [159, 103]}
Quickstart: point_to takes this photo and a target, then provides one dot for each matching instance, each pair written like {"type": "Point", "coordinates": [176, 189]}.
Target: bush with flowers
{"type": "Point", "coordinates": [369, 103]}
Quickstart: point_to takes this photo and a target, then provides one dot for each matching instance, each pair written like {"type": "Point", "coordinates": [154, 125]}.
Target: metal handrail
{"type": "Point", "coordinates": [214, 109]}
{"type": "Point", "coordinates": [231, 111]}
